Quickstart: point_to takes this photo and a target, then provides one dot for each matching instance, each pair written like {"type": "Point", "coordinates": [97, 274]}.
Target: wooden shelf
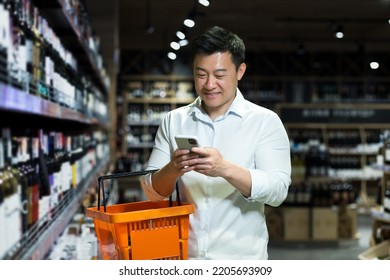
{"type": "Point", "coordinates": [167, 100]}
{"type": "Point", "coordinates": [142, 121]}
{"type": "Point", "coordinates": [380, 215]}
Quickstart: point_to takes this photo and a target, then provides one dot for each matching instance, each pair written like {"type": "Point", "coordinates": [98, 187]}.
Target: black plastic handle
{"type": "Point", "coordinates": [127, 174]}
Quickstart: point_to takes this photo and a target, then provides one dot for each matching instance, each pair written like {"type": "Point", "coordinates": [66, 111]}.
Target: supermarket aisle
{"type": "Point", "coordinates": [348, 250]}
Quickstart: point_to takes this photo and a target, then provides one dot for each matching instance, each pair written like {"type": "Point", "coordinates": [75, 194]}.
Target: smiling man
{"type": "Point", "coordinates": [244, 162]}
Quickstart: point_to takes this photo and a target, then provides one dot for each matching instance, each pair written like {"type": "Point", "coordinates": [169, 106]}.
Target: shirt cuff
{"type": "Point", "coordinates": [147, 186]}
{"type": "Point", "coordinates": [259, 187]}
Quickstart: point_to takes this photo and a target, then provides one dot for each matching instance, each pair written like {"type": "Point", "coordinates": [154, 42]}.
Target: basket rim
{"type": "Point", "coordinates": [163, 210]}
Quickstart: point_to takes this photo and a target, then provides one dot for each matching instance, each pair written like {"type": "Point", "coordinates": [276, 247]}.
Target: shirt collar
{"type": "Point", "coordinates": [237, 107]}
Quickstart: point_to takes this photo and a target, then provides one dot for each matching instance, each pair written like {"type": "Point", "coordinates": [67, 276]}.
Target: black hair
{"type": "Point", "coordinates": [218, 39]}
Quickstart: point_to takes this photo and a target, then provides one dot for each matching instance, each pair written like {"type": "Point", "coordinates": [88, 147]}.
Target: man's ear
{"type": "Point", "coordinates": [241, 71]}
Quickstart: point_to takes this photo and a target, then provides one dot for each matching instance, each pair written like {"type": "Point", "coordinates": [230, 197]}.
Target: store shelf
{"type": "Point", "coordinates": [384, 168]}
{"type": "Point", "coordinates": [13, 99]}
{"type": "Point", "coordinates": [72, 38]}
{"type": "Point", "coordinates": [37, 242]}
{"type": "Point", "coordinates": [56, 126]}
{"type": "Point", "coordinates": [144, 123]}
{"type": "Point", "coordinates": [380, 215]}
{"type": "Point", "coordinates": [167, 100]}
{"type": "Point", "coordinates": [140, 146]}
{"type": "Point", "coordinates": [148, 77]}
{"type": "Point", "coordinates": [146, 100]}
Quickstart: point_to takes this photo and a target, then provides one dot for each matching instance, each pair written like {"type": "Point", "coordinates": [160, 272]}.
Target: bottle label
{"type": "Point", "coordinates": [386, 204]}
{"type": "Point", "coordinates": [387, 155]}
{"type": "Point", "coordinates": [380, 160]}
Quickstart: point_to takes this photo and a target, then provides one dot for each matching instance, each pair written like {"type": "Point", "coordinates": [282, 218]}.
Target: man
{"type": "Point", "coordinates": [244, 162]}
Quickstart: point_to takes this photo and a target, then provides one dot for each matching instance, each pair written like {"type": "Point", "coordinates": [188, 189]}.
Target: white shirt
{"type": "Point", "coordinates": [225, 224]}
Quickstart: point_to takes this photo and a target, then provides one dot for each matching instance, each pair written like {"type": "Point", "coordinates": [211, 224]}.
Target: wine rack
{"type": "Point", "coordinates": [147, 99]}
{"type": "Point", "coordinates": [346, 137]}
{"type": "Point", "coordinates": [54, 122]}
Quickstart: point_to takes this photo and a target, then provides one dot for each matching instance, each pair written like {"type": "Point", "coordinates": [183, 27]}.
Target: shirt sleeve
{"type": "Point", "coordinates": [271, 176]}
{"type": "Point", "coordinates": [146, 184]}
{"type": "Point", "coordinates": [159, 158]}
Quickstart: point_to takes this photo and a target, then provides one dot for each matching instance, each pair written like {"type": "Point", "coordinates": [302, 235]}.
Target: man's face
{"type": "Point", "coordinates": [216, 80]}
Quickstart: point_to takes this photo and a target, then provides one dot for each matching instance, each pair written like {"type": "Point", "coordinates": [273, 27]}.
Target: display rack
{"type": "Point", "coordinates": [147, 98]}
{"type": "Point", "coordinates": [37, 243]}
{"type": "Point", "coordinates": [34, 114]}
{"type": "Point", "coordinates": [15, 100]}
{"type": "Point", "coordinates": [346, 131]}
{"type": "Point", "coordinates": [76, 36]}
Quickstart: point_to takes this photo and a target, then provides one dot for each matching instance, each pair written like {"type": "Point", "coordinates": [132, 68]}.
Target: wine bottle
{"type": "Point", "coordinates": [14, 199]}
{"type": "Point", "coordinates": [66, 169]}
{"type": "Point", "coordinates": [386, 199]}
{"type": "Point", "coordinates": [32, 192]}
{"type": "Point", "coordinates": [3, 226]}
{"type": "Point", "coordinates": [386, 150]}
{"type": "Point", "coordinates": [3, 50]}
{"type": "Point", "coordinates": [56, 190]}
{"type": "Point", "coordinates": [44, 178]}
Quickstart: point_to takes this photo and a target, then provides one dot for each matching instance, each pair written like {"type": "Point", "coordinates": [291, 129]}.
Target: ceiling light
{"type": "Point", "coordinates": [189, 23]}
{"type": "Point", "coordinates": [180, 35]}
{"type": "Point", "coordinates": [175, 45]}
{"type": "Point", "coordinates": [374, 65]}
{"type": "Point", "coordinates": [183, 42]}
{"type": "Point", "coordinates": [172, 55]}
{"type": "Point", "coordinates": [204, 2]}
{"type": "Point", "coordinates": [339, 34]}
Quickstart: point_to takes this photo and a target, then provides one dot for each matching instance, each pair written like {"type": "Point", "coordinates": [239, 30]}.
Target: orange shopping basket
{"type": "Point", "coordinates": [143, 230]}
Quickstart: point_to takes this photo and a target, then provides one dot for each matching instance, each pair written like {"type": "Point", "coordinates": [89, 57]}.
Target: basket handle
{"type": "Point", "coordinates": [177, 195]}
{"type": "Point", "coordinates": [128, 174]}
{"type": "Point", "coordinates": [115, 176]}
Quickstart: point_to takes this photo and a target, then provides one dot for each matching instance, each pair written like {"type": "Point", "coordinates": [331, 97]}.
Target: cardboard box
{"type": "Point", "coordinates": [347, 222]}
{"type": "Point", "coordinates": [325, 223]}
{"type": "Point", "coordinates": [274, 220]}
{"type": "Point", "coordinates": [380, 251]}
{"type": "Point", "coordinates": [296, 223]}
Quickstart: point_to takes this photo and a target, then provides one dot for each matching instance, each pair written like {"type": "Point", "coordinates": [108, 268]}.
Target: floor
{"type": "Point", "coordinates": [343, 250]}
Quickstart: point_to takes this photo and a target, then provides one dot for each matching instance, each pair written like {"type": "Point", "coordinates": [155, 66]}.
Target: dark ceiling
{"type": "Point", "coordinates": [264, 25]}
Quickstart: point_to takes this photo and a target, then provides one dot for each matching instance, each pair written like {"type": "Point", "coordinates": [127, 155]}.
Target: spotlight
{"type": "Point", "coordinates": [180, 35]}
{"type": "Point", "coordinates": [205, 3]}
{"type": "Point", "coordinates": [374, 65]}
{"type": "Point", "coordinates": [172, 55]}
{"type": "Point", "coordinates": [175, 45]}
{"type": "Point", "coordinates": [183, 42]}
{"type": "Point", "coordinates": [339, 34]}
{"type": "Point", "coordinates": [189, 23]}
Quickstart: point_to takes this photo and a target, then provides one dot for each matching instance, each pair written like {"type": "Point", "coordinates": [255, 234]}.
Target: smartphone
{"type": "Point", "coordinates": [187, 141]}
